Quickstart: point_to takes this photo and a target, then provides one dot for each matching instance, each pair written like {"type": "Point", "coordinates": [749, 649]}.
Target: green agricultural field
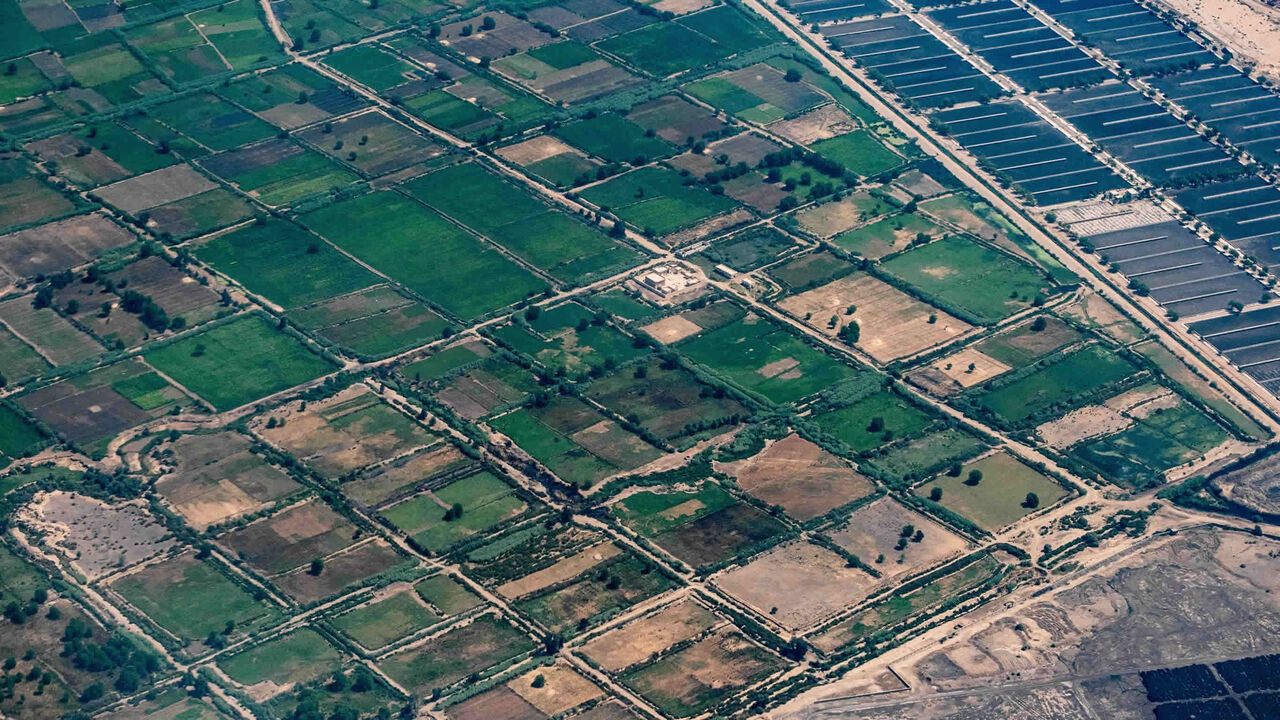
{"type": "Point", "coordinates": [290, 179]}
{"type": "Point", "coordinates": [299, 657]}
{"type": "Point", "coordinates": [1058, 386]}
{"type": "Point", "coordinates": [856, 425]}
{"type": "Point", "coordinates": [238, 33]}
{"type": "Point", "coordinates": [444, 660]}
{"type": "Point", "coordinates": [767, 359]}
{"type": "Point", "coordinates": [384, 621]}
{"type": "Point", "coordinates": [981, 282]}
{"type": "Point", "coordinates": [426, 253]}
{"type": "Point", "coordinates": [669, 403]}
{"type": "Point", "coordinates": [212, 121]}
{"type": "Point", "coordinates": [378, 69]}
{"type": "Point", "coordinates": [18, 436]}
{"type": "Point", "coordinates": [486, 502]}
{"type": "Point", "coordinates": [577, 442]}
{"type": "Point", "coordinates": [191, 599]}
{"type": "Point", "coordinates": [621, 305]}
{"type": "Point", "coordinates": [1136, 458]}
{"type": "Point", "coordinates": [859, 152]}
{"type": "Point", "coordinates": [652, 513]}
{"type": "Point", "coordinates": [284, 263]}
{"type": "Point", "coordinates": [999, 498]}
{"type": "Point", "coordinates": [547, 238]}
{"type": "Point", "coordinates": [689, 42]}
{"type": "Point", "coordinates": [446, 594]}
{"type": "Point", "coordinates": [749, 249]}
{"type": "Point", "coordinates": [810, 270]}
{"type": "Point", "coordinates": [615, 139]}
{"type": "Point", "coordinates": [928, 452]}
{"type": "Point", "coordinates": [444, 362]}
{"type": "Point", "coordinates": [238, 362]}
{"type": "Point", "coordinates": [657, 200]}
{"type": "Point", "coordinates": [884, 237]}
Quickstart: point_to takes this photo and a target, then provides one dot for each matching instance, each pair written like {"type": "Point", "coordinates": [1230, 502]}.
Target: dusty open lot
{"type": "Point", "coordinates": [821, 123]}
{"type": "Point", "coordinates": [893, 324]}
{"type": "Point", "coordinates": [799, 476]}
{"type": "Point", "coordinates": [215, 478]}
{"type": "Point", "coordinates": [1250, 29]}
{"type": "Point", "coordinates": [672, 329]}
{"type": "Point", "coordinates": [564, 689]}
{"type": "Point", "coordinates": [957, 367]}
{"type": "Point", "coordinates": [96, 537]}
{"type": "Point", "coordinates": [797, 584]}
{"type": "Point", "coordinates": [875, 529]}
{"type": "Point", "coordinates": [641, 639]}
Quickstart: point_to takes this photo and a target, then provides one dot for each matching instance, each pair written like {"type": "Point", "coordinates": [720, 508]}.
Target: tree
{"type": "Point", "coordinates": [877, 424]}
{"type": "Point", "coordinates": [975, 477]}
{"type": "Point", "coordinates": [317, 567]}
{"type": "Point", "coordinates": [793, 75]}
{"type": "Point", "coordinates": [487, 23]}
{"type": "Point", "coordinates": [1038, 324]}
{"type": "Point", "coordinates": [935, 494]}
{"type": "Point", "coordinates": [538, 681]}
{"type": "Point", "coordinates": [954, 470]}
{"type": "Point", "coordinates": [1032, 501]}
{"type": "Point", "coordinates": [850, 333]}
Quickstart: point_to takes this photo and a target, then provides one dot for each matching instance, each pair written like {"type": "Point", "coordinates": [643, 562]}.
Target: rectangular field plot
{"type": "Point", "coordinates": [690, 679]}
{"type": "Point", "coordinates": [284, 263]}
{"type": "Point", "coordinates": [567, 72]}
{"type": "Point", "coordinates": [797, 584]}
{"type": "Point", "coordinates": [1128, 33]}
{"type": "Point", "coordinates": [1181, 271]}
{"type": "Point", "coordinates": [278, 172]}
{"type": "Point", "coordinates": [891, 323]}
{"type": "Point", "coordinates": [927, 454]}
{"type": "Point", "coordinates": [489, 385]}
{"type": "Point", "coordinates": [20, 437]}
{"type": "Point", "coordinates": [300, 656]}
{"type": "Point", "coordinates": [1246, 113]}
{"type": "Point", "coordinates": [292, 96]}
{"type": "Point", "coordinates": [569, 337]}
{"type": "Point", "coordinates": [291, 538]}
{"type": "Point", "coordinates": [968, 278]}
{"type": "Point", "coordinates": [509, 215]}
{"type": "Point", "coordinates": [952, 580]}
{"type": "Point", "coordinates": [92, 409]}
{"type": "Point", "coordinates": [113, 153]}
{"type": "Point", "coordinates": [855, 424]}
{"type": "Point", "coordinates": [1164, 431]}
{"type": "Point", "coordinates": [883, 534]}
{"type": "Point", "coordinates": [575, 441]}
{"type": "Point", "coordinates": [453, 655]}
{"type": "Point", "coordinates": [1140, 133]}
{"type": "Point", "coordinates": [750, 249]}
{"type": "Point", "coordinates": [239, 362]}
{"type": "Point", "coordinates": [525, 697]}
{"type": "Point", "coordinates": [26, 198]}
{"type": "Point", "coordinates": [353, 429]}
{"type": "Point", "coordinates": [373, 323]}
{"type": "Point", "coordinates": [389, 618]}
{"type": "Point", "coordinates": [691, 41]}
{"type": "Point", "coordinates": [49, 339]}
{"type": "Point", "coordinates": [757, 93]}
{"type": "Point", "coordinates": [1251, 340]}
{"type": "Point", "coordinates": [426, 253]}
{"type": "Point", "coordinates": [1246, 212]}
{"type": "Point", "coordinates": [398, 478]}
{"type": "Point", "coordinates": [217, 477]}
{"type": "Point", "coordinates": [656, 200]}
{"type": "Point", "coordinates": [429, 519]}
{"type": "Point", "coordinates": [373, 143]}
{"type": "Point", "coordinates": [668, 402]}
{"type": "Point", "coordinates": [766, 359]}
{"type": "Point", "coordinates": [1056, 386]}
{"type": "Point", "coordinates": [1000, 495]}
{"type": "Point", "coordinates": [1029, 151]}
{"type": "Point", "coordinates": [586, 589]}
{"type": "Point", "coordinates": [1020, 46]}
{"type": "Point", "coordinates": [916, 64]}
{"type": "Point", "coordinates": [800, 477]}
{"type": "Point", "coordinates": [212, 122]}
{"type": "Point", "coordinates": [614, 138]}
{"type": "Point", "coordinates": [704, 526]}
{"type": "Point", "coordinates": [192, 599]}
{"type": "Point", "coordinates": [822, 11]}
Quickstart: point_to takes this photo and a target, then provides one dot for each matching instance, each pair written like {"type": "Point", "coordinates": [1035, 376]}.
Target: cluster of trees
{"type": "Point", "coordinates": [118, 654]}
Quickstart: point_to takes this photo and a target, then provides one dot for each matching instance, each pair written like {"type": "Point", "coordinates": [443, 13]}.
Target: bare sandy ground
{"type": "Point", "coordinates": [1251, 30]}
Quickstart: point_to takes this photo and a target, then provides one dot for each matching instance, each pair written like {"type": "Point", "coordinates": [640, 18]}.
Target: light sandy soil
{"type": "Point", "coordinates": [672, 329]}
{"type": "Point", "coordinates": [956, 367]}
{"type": "Point", "coordinates": [893, 324]}
{"type": "Point", "coordinates": [825, 122]}
{"type": "Point", "coordinates": [874, 529]}
{"type": "Point", "coordinates": [563, 570]}
{"type": "Point", "coordinates": [564, 689]}
{"type": "Point", "coordinates": [1080, 425]}
{"type": "Point", "coordinates": [1250, 29]}
{"type": "Point", "coordinates": [643, 638]}
{"type": "Point", "coordinates": [539, 148]}
{"type": "Point", "coordinates": [797, 584]}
